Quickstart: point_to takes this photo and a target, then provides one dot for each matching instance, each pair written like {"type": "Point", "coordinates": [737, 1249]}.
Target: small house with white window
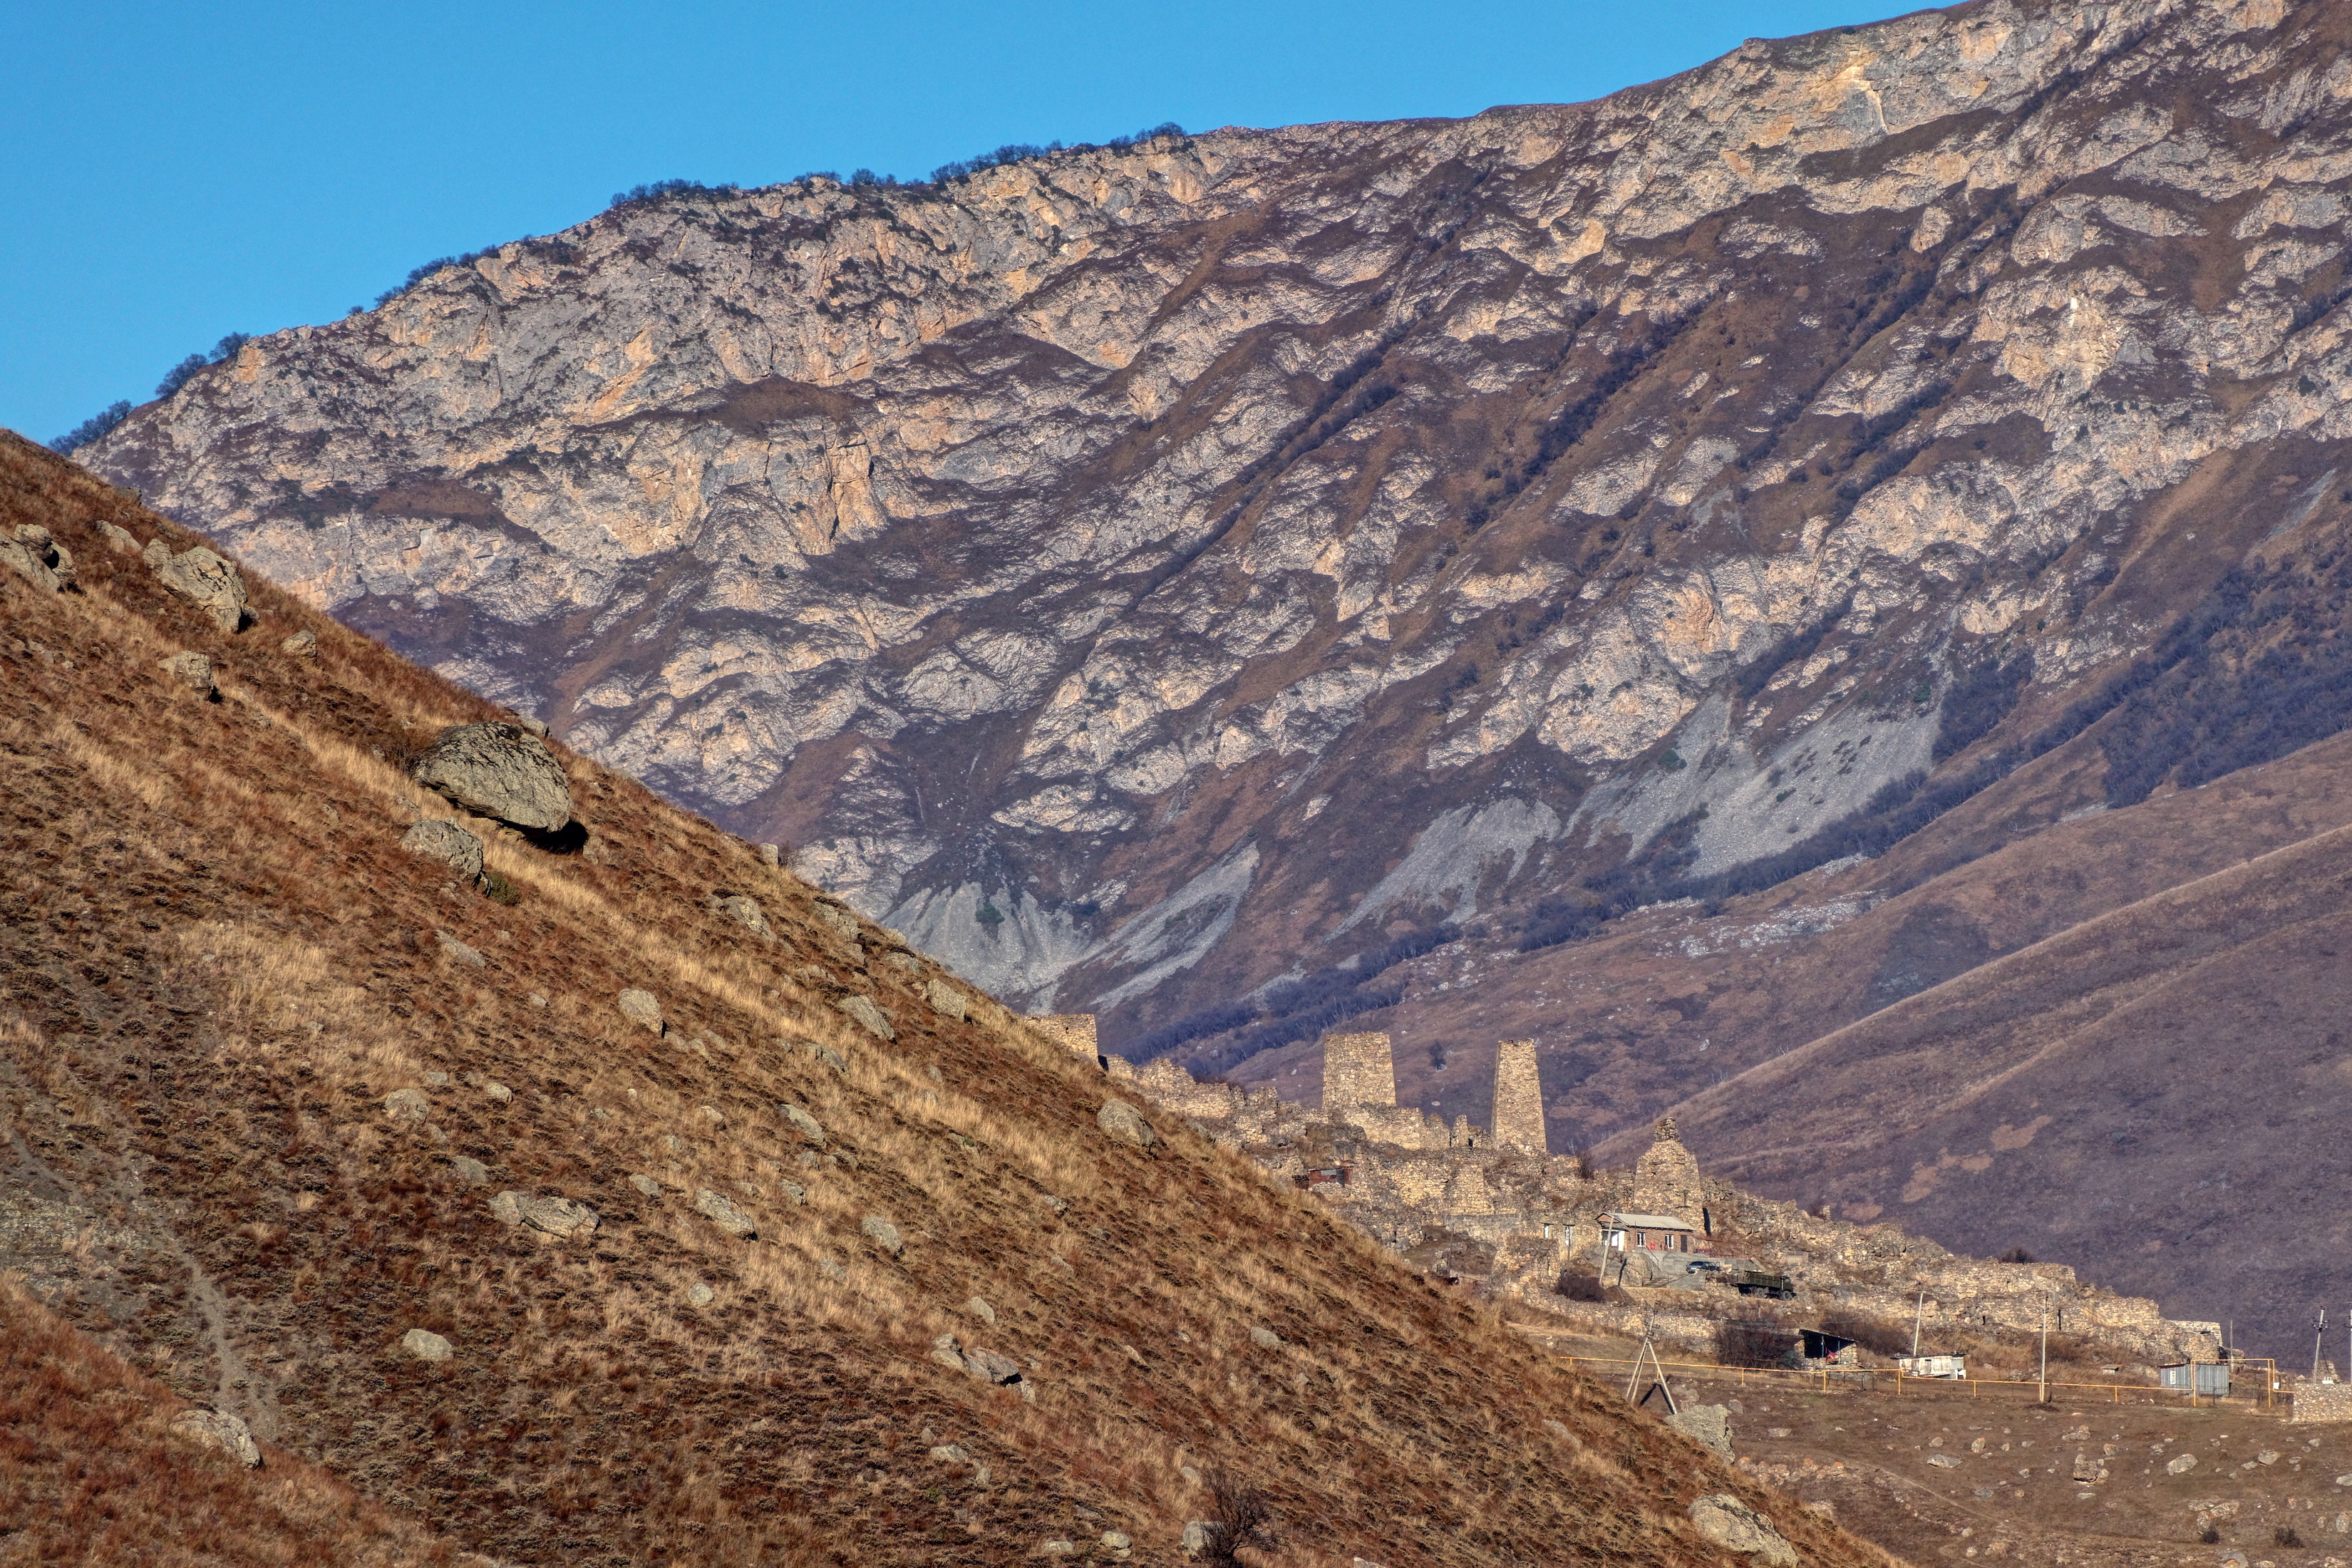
{"type": "Point", "coordinates": [1648, 1233]}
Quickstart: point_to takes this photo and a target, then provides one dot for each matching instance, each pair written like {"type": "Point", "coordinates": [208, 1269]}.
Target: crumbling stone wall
{"type": "Point", "coordinates": [1518, 1121]}
{"type": "Point", "coordinates": [1075, 1031]}
{"type": "Point", "coordinates": [2323, 1402]}
{"type": "Point", "coordinates": [1412, 1179]}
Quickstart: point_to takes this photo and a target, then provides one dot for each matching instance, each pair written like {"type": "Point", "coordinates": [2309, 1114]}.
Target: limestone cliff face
{"type": "Point", "coordinates": [1133, 573]}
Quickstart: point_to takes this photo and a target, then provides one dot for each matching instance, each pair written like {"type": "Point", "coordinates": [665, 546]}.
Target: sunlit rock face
{"type": "Point", "coordinates": [1140, 574]}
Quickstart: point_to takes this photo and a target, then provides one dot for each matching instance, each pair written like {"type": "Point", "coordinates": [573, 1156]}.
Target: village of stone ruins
{"type": "Point", "coordinates": [1671, 1252]}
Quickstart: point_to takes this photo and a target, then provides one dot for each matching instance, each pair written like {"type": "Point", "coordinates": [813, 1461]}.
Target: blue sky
{"type": "Point", "coordinates": [174, 172]}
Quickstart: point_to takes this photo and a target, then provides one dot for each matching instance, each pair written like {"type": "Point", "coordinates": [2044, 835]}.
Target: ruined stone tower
{"type": "Point", "coordinates": [1518, 1119]}
{"type": "Point", "coordinates": [1665, 1179]}
{"type": "Point", "coordinates": [1357, 1074]}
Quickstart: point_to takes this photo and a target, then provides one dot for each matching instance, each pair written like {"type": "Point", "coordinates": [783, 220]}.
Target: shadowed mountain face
{"type": "Point", "coordinates": [1142, 575]}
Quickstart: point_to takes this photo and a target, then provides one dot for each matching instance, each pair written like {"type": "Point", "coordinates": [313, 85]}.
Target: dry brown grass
{"type": "Point", "coordinates": [217, 962]}
{"type": "Point", "coordinates": [91, 1472]}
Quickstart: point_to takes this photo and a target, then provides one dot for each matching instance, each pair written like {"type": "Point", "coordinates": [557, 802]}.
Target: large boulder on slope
{"type": "Point", "coordinates": [204, 579]}
{"type": "Point", "coordinates": [500, 770]}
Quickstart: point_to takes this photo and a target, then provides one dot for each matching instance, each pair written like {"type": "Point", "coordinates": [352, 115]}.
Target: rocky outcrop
{"type": "Point", "coordinates": [219, 1430]}
{"type": "Point", "coordinates": [1735, 1526]}
{"type": "Point", "coordinates": [194, 671]}
{"type": "Point", "coordinates": [34, 554]}
{"type": "Point", "coordinates": [445, 841]}
{"type": "Point", "coordinates": [204, 579]}
{"type": "Point", "coordinates": [1129, 571]}
{"type": "Point", "coordinates": [555, 1216]}
{"type": "Point", "coordinates": [500, 770]}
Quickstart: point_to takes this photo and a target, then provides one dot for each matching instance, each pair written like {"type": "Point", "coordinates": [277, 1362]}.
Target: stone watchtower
{"type": "Point", "coordinates": [1359, 1073]}
{"type": "Point", "coordinates": [1665, 1180]}
{"type": "Point", "coordinates": [1518, 1121]}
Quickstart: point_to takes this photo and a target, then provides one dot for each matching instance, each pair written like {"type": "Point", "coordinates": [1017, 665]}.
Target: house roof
{"type": "Point", "coordinates": [1647, 1221]}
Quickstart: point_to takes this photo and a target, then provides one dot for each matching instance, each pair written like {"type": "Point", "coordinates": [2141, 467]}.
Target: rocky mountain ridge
{"type": "Point", "coordinates": [1144, 575]}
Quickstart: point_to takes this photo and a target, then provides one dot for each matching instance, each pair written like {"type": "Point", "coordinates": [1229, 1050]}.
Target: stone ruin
{"type": "Point", "coordinates": [1074, 1031]}
{"type": "Point", "coordinates": [1492, 1209]}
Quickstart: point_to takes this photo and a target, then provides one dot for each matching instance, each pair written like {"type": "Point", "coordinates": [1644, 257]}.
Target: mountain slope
{"type": "Point", "coordinates": [1140, 572]}
{"type": "Point", "coordinates": [2149, 1091]}
{"type": "Point", "coordinates": [297, 1120]}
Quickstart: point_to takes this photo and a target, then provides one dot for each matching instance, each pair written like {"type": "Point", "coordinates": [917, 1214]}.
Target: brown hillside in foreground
{"type": "Point", "coordinates": [218, 963]}
{"type": "Point", "coordinates": [91, 1473]}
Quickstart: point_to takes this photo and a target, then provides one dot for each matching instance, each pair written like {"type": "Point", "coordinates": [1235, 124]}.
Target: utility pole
{"type": "Point", "coordinates": [1917, 1310]}
{"type": "Point", "coordinates": [2045, 1347]}
{"type": "Point", "coordinates": [2317, 1334]}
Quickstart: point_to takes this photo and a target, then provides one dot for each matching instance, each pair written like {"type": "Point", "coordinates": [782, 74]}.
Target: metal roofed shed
{"type": "Point", "coordinates": [1817, 1344]}
{"type": "Point", "coordinates": [2209, 1378]}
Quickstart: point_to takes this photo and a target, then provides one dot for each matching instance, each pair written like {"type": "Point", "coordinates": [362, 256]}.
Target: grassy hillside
{"type": "Point", "coordinates": [227, 985]}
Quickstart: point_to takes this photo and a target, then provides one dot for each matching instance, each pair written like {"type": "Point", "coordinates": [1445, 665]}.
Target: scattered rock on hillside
{"type": "Point", "coordinates": [120, 539]}
{"type": "Point", "coordinates": [470, 1170]}
{"type": "Point", "coordinates": [204, 579]}
{"type": "Point", "coordinates": [840, 922]}
{"type": "Point", "coordinates": [949, 1353]}
{"type": "Point", "coordinates": [831, 1269]}
{"type": "Point", "coordinates": [722, 1211]}
{"type": "Point", "coordinates": [982, 1310]}
{"type": "Point", "coordinates": [498, 770]}
{"type": "Point", "coordinates": [991, 1366]}
{"type": "Point", "coordinates": [884, 1233]}
{"type": "Point", "coordinates": [1266, 1339]}
{"type": "Point", "coordinates": [407, 1105]}
{"type": "Point", "coordinates": [1126, 1123]}
{"type": "Point", "coordinates": [807, 1126]}
{"type": "Point", "coordinates": [458, 952]}
{"type": "Point", "coordinates": [945, 999]}
{"type": "Point", "coordinates": [1734, 1526]}
{"type": "Point", "coordinates": [426, 1345]}
{"type": "Point", "coordinates": [301, 644]}
{"type": "Point", "coordinates": [2180, 1465]}
{"type": "Point", "coordinates": [1198, 1534]}
{"type": "Point", "coordinates": [194, 671]}
{"type": "Point", "coordinates": [646, 1186]}
{"type": "Point", "coordinates": [1059, 1548]}
{"type": "Point", "coordinates": [556, 1216]}
{"type": "Point", "coordinates": [744, 911]}
{"type": "Point", "coordinates": [1707, 1425]}
{"type": "Point", "coordinates": [824, 1054]}
{"type": "Point", "coordinates": [639, 1007]}
{"type": "Point", "coordinates": [499, 1092]}
{"type": "Point", "coordinates": [793, 1191]}
{"type": "Point", "coordinates": [439, 840]}
{"type": "Point", "coordinates": [218, 1430]}
{"type": "Point", "coordinates": [40, 557]}
{"type": "Point", "coordinates": [868, 1016]}
{"type": "Point", "coordinates": [699, 1295]}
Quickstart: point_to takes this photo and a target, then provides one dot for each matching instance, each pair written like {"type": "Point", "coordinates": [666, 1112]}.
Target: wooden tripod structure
{"type": "Point", "coordinates": [1650, 1352]}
